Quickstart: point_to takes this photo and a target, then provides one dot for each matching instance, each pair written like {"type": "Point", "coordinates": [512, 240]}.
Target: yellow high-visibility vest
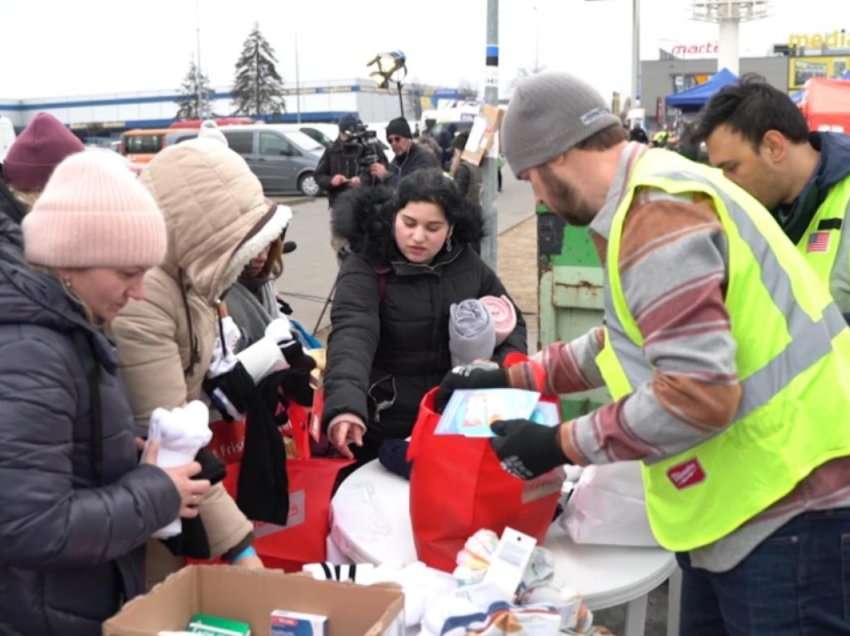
{"type": "Point", "coordinates": [792, 358]}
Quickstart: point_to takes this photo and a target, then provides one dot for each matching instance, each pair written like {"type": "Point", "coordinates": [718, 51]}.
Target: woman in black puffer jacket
{"type": "Point", "coordinates": [76, 507]}
{"type": "Point", "coordinates": [411, 258]}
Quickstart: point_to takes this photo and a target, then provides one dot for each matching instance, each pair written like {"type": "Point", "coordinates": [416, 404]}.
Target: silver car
{"type": "Point", "coordinates": [284, 160]}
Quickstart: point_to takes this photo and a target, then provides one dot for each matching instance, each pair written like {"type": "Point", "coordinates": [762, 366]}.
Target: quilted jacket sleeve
{"type": "Point", "coordinates": [355, 316]}
{"type": "Point", "coordinates": [46, 520]}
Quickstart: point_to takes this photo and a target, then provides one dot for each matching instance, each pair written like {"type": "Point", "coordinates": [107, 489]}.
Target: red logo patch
{"type": "Point", "coordinates": [686, 474]}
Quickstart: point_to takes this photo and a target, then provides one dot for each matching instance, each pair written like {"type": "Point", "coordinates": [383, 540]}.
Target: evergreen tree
{"type": "Point", "coordinates": [258, 88]}
{"type": "Point", "coordinates": [195, 95]}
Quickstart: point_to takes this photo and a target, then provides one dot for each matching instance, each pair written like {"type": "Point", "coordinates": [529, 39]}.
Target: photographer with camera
{"type": "Point", "coordinates": [347, 160]}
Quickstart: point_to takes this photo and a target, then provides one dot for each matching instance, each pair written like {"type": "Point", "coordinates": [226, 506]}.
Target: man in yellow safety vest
{"type": "Point", "coordinates": [759, 138]}
{"type": "Point", "coordinates": [727, 361]}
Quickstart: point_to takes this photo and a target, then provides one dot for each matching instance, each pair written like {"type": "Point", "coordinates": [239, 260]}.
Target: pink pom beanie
{"type": "Point", "coordinates": [94, 213]}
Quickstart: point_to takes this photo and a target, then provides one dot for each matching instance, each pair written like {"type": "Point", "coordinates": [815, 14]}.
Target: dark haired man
{"type": "Point", "coordinates": [727, 360]}
{"type": "Point", "coordinates": [759, 138]}
{"type": "Point", "coordinates": [409, 156]}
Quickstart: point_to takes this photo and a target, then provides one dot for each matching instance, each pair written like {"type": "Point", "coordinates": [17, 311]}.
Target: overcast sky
{"type": "Point", "coordinates": [79, 47]}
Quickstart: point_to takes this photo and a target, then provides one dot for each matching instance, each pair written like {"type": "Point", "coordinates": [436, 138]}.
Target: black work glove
{"type": "Point", "coordinates": [470, 376]}
{"type": "Point", "coordinates": [527, 449]}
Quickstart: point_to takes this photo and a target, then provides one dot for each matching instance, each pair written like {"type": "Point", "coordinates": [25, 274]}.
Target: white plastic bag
{"type": "Point", "coordinates": [606, 507]}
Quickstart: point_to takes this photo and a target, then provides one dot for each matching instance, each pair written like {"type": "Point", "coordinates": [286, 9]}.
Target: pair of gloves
{"type": "Point", "coordinates": [232, 377]}
{"type": "Point", "coordinates": [526, 449]}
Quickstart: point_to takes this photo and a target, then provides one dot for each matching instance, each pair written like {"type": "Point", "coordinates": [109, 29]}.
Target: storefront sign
{"type": "Point", "coordinates": [834, 40]}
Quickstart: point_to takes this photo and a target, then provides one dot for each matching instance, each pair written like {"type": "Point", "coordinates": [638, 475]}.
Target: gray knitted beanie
{"type": "Point", "coordinates": [548, 114]}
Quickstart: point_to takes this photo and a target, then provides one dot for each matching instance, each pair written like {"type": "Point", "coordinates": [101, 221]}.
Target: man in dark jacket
{"type": "Point", "coordinates": [409, 156]}
{"type": "Point", "coordinates": [341, 166]}
{"type": "Point", "coordinates": [759, 138]}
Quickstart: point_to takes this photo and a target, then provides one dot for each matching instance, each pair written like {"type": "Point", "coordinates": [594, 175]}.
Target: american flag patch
{"type": "Point", "coordinates": [818, 242]}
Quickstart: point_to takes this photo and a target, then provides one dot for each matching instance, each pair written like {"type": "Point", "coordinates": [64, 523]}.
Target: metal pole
{"type": "Point", "coordinates": [198, 65]}
{"type": "Point", "coordinates": [635, 53]}
{"type": "Point", "coordinates": [400, 100]}
{"type": "Point", "coordinates": [491, 96]}
{"type": "Point", "coordinates": [297, 82]}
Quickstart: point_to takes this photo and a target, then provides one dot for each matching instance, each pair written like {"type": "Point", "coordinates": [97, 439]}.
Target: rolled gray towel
{"type": "Point", "coordinates": [472, 333]}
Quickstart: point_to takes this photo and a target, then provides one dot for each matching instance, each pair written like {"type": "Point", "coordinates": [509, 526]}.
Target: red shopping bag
{"type": "Point", "coordinates": [311, 483]}
{"type": "Point", "coordinates": [457, 487]}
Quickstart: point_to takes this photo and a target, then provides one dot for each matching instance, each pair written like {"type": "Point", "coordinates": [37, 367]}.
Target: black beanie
{"type": "Point", "coordinates": [400, 127]}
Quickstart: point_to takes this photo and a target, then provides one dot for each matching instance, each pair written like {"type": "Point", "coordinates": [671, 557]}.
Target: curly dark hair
{"type": "Point", "coordinates": [366, 216]}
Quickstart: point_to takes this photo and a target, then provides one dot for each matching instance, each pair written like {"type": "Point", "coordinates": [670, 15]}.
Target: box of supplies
{"type": "Point", "coordinates": [251, 596]}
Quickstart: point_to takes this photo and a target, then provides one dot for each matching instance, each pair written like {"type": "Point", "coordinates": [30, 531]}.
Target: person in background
{"type": "Point", "coordinates": [218, 220]}
{"type": "Point", "coordinates": [76, 505]}
{"type": "Point", "coordinates": [427, 138]}
{"type": "Point", "coordinates": [638, 134]}
{"type": "Point", "coordinates": [389, 342]}
{"type": "Point", "coordinates": [409, 156]}
{"type": "Point", "coordinates": [35, 153]}
{"type": "Point", "coordinates": [730, 373]}
{"type": "Point", "coordinates": [759, 138]}
{"type": "Point", "coordinates": [467, 175]}
{"type": "Point", "coordinates": [341, 168]}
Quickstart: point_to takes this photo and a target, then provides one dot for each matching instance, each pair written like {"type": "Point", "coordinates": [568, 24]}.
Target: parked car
{"type": "Point", "coordinates": [140, 145]}
{"type": "Point", "coordinates": [324, 134]}
{"type": "Point", "coordinates": [284, 160]}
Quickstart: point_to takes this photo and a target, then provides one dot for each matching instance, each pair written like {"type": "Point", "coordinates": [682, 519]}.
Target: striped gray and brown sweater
{"type": "Point", "coordinates": [673, 267]}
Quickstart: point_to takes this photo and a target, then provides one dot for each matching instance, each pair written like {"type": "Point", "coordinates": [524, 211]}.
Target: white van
{"type": "Point", "coordinates": [7, 136]}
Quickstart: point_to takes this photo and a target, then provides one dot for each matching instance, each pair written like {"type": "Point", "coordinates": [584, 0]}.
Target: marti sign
{"type": "Point", "coordinates": [682, 50]}
{"type": "Point", "coordinates": [834, 40]}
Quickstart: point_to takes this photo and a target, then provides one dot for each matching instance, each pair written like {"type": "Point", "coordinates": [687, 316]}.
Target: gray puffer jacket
{"type": "Point", "coordinates": [71, 544]}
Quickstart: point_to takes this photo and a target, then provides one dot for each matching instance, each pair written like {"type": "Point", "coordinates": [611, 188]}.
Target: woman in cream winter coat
{"type": "Point", "coordinates": [217, 220]}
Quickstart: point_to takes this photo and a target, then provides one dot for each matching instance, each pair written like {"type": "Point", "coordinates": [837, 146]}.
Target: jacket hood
{"type": "Point", "coordinates": [215, 212]}
{"type": "Point", "coordinates": [366, 216]}
{"type": "Point", "coordinates": [38, 298]}
{"type": "Point", "coordinates": [834, 157]}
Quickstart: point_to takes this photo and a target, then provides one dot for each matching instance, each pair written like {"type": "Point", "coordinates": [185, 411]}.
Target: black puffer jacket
{"type": "Point", "coordinates": [389, 342]}
{"type": "Point", "coordinates": [417, 158]}
{"type": "Point", "coordinates": [70, 549]}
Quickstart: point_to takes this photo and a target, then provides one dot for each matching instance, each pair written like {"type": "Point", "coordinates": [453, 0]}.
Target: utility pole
{"type": "Point", "coordinates": [297, 82]}
{"type": "Point", "coordinates": [198, 61]}
{"type": "Point", "coordinates": [635, 53]}
{"type": "Point", "coordinates": [491, 96]}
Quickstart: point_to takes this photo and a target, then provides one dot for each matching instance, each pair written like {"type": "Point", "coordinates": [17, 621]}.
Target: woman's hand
{"type": "Point", "coordinates": [346, 429]}
{"type": "Point", "coordinates": [191, 491]}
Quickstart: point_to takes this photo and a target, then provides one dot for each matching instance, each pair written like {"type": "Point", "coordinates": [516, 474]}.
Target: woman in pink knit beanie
{"type": "Point", "coordinates": [76, 506]}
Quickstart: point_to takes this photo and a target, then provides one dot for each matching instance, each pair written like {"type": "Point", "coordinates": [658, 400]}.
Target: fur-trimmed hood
{"type": "Point", "coordinates": [366, 216]}
{"type": "Point", "coordinates": [215, 212]}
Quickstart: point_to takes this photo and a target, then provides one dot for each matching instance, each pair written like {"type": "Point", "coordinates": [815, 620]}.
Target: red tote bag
{"type": "Point", "coordinates": [457, 487]}
{"type": "Point", "coordinates": [311, 483]}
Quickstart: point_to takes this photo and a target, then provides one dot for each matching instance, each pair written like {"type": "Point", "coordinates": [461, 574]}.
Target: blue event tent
{"type": "Point", "coordinates": [696, 97]}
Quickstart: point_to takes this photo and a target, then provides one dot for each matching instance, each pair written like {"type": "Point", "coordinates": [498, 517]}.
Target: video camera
{"type": "Point", "coordinates": [367, 141]}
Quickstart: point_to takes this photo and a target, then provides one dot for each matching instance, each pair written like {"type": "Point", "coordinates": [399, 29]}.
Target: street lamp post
{"type": "Point", "coordinates": [387, 65]}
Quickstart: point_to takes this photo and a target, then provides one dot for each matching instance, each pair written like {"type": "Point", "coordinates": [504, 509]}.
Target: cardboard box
{"type": "Point", "coordinates": [483, 135]}
{"type": "Point", "coordinates": [251, 595]}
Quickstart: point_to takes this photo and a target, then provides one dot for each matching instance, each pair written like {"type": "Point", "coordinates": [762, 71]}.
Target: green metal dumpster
{"type": "Point", "coordinates": [569, 293]}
